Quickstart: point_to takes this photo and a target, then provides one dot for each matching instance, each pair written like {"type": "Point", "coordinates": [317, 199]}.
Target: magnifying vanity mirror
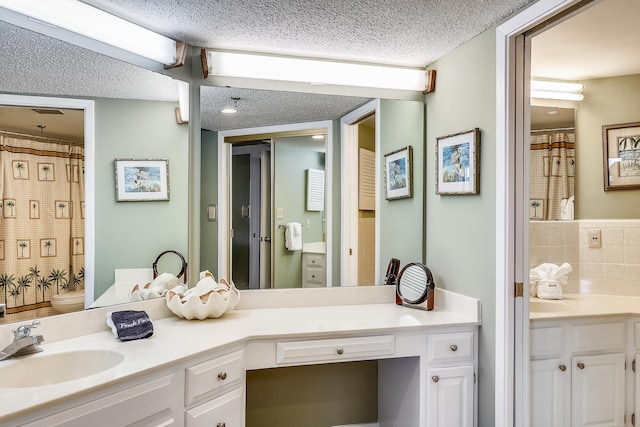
{"type": "Point", "coordinates": [415, 286]}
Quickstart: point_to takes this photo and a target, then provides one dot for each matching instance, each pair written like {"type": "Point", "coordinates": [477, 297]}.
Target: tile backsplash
{"type": "Point", "coordinates": [615, 264]}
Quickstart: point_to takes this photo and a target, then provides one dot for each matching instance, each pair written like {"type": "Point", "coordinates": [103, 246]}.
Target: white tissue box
{"type": "Point", "coordinates": [549, 289]}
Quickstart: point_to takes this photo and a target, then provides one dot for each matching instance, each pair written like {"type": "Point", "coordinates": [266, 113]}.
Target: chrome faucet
{"type": "Point", "coordinates": [23, 342]}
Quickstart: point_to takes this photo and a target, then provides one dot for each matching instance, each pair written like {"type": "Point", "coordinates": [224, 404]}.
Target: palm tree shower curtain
{"type": "Point", "coordinates": [552, 175]}
{"type": "Point", "coordinates": [41, 220]}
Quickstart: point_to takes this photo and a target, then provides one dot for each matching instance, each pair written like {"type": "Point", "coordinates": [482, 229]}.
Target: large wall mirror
{"type": "Point", "coordinates": [137, 120]}
{"type": "Point", "coordinates": [67, 114]}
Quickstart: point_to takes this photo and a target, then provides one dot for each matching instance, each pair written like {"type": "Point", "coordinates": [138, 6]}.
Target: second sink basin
{"type": "Point", "coordinates": [45, 369]}
{"type": "Point", "coordinates": [548, 307]}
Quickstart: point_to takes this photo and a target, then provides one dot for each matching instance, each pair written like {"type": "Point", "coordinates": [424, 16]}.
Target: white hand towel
{"type": "Point", "coordinates": [293, 236]}
{"type": "Point", "coordinates": [566, 209]}
{"type": "Point", "coordinates": [552, 276]}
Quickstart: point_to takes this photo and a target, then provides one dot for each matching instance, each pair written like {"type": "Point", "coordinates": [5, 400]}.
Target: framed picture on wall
{"type": "Point", "coordinates": [458, 163]}
{"type": "Point", "coordinates": [142, 180]}
{"type": "Point", "coordinates": [621, 156]}
{"type": "Point", "coordinates": [398, 173]}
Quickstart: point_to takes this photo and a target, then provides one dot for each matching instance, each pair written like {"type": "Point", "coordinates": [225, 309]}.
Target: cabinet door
{"type": "Point", "coordinates": [450, 397]}
{"type": "Point", "coordinates": [598, 390]}
{"type": "Point", "coordinates": [550, 382]}
{"type": "Point", "coordinates": [224, 411]}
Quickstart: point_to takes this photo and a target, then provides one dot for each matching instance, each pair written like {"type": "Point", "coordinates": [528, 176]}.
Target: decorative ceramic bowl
{"type": "Point", "coordinates": [207, 299]}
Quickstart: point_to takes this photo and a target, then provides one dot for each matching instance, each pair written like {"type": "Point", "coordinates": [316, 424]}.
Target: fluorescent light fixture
{"type": "Point", "coordinates": [183, 100]}
{"type": "Point", "coordinates": [88, 21]}
{"type": "Point", "coordinates": [557, 90]}
{"type": "Point", "coordinates": [314, 71]}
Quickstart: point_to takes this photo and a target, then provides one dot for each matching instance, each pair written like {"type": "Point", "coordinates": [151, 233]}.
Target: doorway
{"type": "Point", "coordinates": [262, 261]}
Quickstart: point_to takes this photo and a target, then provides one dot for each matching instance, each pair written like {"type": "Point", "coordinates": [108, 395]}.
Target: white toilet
{"type": "Point", "coordinates": [68, 302]}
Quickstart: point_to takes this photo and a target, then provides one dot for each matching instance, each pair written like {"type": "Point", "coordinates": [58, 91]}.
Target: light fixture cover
{"type": "Point", "coordinates": [566, 91]}
{"type": "Point", "coordinates": [314, 71]}
{"type": "Point", "coordinates": [80, 18]}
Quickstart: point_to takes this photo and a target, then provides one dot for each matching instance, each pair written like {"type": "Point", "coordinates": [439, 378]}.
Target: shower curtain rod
{"type": "Point", "coordinates": [551, 130]}
{"type": "Point", "coordinates": [54, 140]}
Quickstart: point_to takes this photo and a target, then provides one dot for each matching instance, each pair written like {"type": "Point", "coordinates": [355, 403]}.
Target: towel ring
{"type": "Point", "coordinates": [183, 271]}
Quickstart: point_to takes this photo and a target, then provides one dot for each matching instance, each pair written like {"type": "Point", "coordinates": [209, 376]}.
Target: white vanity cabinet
{"type": "Point", "coordinates": [313, 270]}
{"type": "Point", "coordinates": [577, 372]}
{"type": "Point", "coordinates": [139, 403]}
{"type": "Point", "coordinates": [450, 379]}
{"type": "Point", "coordinates": [214, 391]}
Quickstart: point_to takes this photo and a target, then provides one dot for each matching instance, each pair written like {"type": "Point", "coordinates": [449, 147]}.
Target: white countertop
{"type": "Point", "coordinates": [586, 305]}
{"type": "Point", "coordinates": [176, 339]}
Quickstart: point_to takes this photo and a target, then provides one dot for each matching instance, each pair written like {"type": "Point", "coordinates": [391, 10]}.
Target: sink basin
{"type": "Point", "coordinates": [548, 307]}
{"type": "Point", "coordinates": [44, 369]}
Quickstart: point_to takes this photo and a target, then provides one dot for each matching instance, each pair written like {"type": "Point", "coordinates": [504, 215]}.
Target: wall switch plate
{"type": "Point", "coordinates": [595, 238]}
{"type": "Point", "coordinates": [279, 213]}
{"type": "Point", "coordinates": [211, 212]}
{"type": "Point", "coordinates": [308, 224]}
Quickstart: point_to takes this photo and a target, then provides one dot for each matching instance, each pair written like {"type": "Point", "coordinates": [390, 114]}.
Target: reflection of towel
{"type": "Point", "coordinates": [566, 209]}
{"type": "Point", "coordinates": [293, 236]}
{"type": "Point", "coordinates": [550, 277]}
{"type": "Point", "coordinates": [130, 325]}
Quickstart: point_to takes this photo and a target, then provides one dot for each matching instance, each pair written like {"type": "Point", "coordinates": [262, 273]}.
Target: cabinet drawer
{"type": "Point", "coordinates": [313, 276]}
{"type": "Point", "coordinates": [314, 260]}
{"type": "Point", "coordinates": [450, 347]}
{"type": "Point", "coordinates": [334, 350]}
{"type": "Point", "coordinates": [547, 342]}
{"type": "Point", "coordinates": [211, 376]}
{"type": "Point", "coordinates": [226, 410]}
{"type": "Point", "coordinates": [602, 336]}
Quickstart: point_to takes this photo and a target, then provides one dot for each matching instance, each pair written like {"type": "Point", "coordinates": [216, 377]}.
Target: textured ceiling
{"type": "Point", "coordinates": [404, 32]}
{"type": "Point", "coordinates": [263, 107]}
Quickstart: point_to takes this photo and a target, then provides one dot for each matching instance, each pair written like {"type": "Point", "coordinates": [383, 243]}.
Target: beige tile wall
{"type": "Point", "coordinates": [616, 261]}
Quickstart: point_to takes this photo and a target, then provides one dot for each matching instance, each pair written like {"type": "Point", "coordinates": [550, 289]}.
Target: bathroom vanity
{"type": "Point", "coordinates": [193, 373]}
{"type": "Point", "coordinates": [583, 353]}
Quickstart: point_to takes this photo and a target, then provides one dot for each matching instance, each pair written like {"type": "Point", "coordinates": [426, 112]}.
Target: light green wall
{"type": "Point", "coordinates": [401, 220]}
{"type": "Point", "coordinates": [460, 230]}
{"type": "Point", "coordinates": [133, 234]}
{"type": "Point", "coordinates": [209, 196]}
{"type": "Point", "coordinates": [292, 157]}
{"type": "Point", "coordinates": [607, 101]}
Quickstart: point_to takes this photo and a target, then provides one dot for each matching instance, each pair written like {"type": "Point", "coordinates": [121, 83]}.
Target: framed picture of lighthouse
{"type": "Point", "coordinates": [142, 180]}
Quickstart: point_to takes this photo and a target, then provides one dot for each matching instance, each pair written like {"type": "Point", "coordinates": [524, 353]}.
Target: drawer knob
{"type": "Point", "coordinates": [454, 347]}
{"type": "Point", "coordinates": [313, 261]}
{"type": "Point", "coordinates": [435, 378]}
{"type": "Point", "coordinates": [562, 368]}
{"type": "Point", "coordinates": [580, 365]}
{"type": "Point", "coordinates": [221, 425]}
{"type": "Point", "coordinates": [222, 376]}
{"type": "Point", "coordinates": [340, 350]}
{"type": "Point", "coordinates": [313, 276]}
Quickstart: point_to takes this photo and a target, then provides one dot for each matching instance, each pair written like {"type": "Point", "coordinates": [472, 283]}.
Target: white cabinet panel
{"type": "Point", "coordinates": [224, 411]}
{"type": "Point", "coordinates": [450, 397]}
{"type": "Point", "coordinates": [598, 390]}
{"type": "Point", "coordinates": [550, 393]}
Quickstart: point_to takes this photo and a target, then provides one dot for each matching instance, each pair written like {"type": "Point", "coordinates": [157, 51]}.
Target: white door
{"type": "Point", "coordinates": [598, 390]}
{"type": "Point", "coordinates": [550, 382]}
{"type": "Point", "coordinates": [450, 397]}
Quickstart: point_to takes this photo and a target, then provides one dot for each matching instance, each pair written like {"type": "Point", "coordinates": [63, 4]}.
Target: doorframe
{"type": "Point", "coordinates": [224, 196]}
{"type": "Point", "coordinates": [512, 321]}
{"type": "Point", "coordinates": [88, 106]}
{"type": "Point", "coordinates": [349, 217]}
